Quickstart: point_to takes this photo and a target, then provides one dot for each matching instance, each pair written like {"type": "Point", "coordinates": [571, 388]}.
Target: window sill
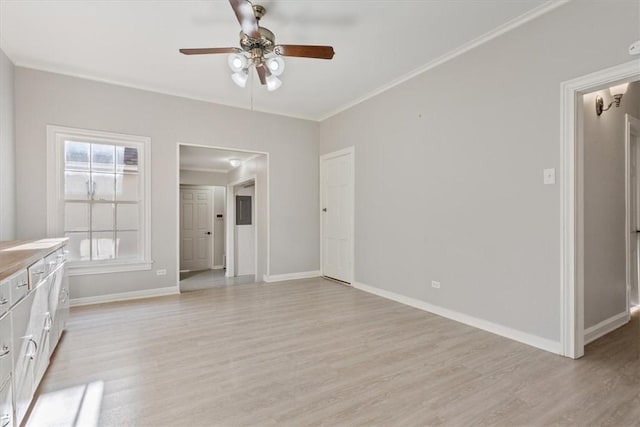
{"type": "Point", "coordinates": [81, 270]}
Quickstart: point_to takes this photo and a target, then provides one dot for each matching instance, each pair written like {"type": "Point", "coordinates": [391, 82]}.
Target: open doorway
{"type": "Point", "coordinates": [609, 207]}
{"type": "Point", "coordinates": [214, 248]}
{"type": "Point", "coordinates": [599, 205]}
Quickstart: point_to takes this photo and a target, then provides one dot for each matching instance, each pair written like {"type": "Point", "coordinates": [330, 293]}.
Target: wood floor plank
{"type": "Point", "coordinates": [313, 352]}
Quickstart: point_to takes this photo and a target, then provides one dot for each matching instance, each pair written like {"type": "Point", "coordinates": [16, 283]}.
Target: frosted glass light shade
{"type": "Point", "coordinates": [276, 65]}
{"type": "Point", "coordinates": [237, 62]}
{"type": "Point", "coordinates": [273, 83]}
{"type": "Point", "coordinates": [240, 78]}
{"type": "Point", "coordinates": [620, 89]}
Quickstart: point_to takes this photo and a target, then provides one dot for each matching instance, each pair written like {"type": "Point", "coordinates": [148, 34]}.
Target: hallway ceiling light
{"type": "Point", "coordinates": [617, 92]}
{"type": "Point", "coordinates": [234, 162]}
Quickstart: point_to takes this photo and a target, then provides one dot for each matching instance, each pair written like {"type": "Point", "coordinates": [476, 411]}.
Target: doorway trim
{"type": "Point", "coordinates": [177, 202]}
{"type": "Point", "coordinates": [231, 225]}
{"type": "Point", "coordinates": [571, 194]}
{"type": "Point", "coordinates": [631, 127]}
{"type": "Point", "coordinates": [345, 151]}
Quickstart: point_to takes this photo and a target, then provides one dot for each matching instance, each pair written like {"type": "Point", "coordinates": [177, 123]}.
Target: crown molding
{"type": "Point", "coordinates": [496, 32]}
{"type": "Point", "coordinates": [203, 170]}
{"type": "Point", "coordinates": [146, 88]}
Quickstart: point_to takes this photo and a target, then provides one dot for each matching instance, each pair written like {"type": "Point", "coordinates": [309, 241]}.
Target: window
{"type": "Point", "coordinates": [98, 197]}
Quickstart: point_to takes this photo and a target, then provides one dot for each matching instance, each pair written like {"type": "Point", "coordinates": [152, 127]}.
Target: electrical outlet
{"type": "Point", "coordinates": [549, 176]}
{"type": "Point", "coordinates": [162, 272]}
{"type": "Point", "coordinates": [435, 284]}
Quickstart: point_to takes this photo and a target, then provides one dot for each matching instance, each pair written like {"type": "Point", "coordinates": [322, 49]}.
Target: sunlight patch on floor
{"type": "Point", "coordinates": [73, 406]}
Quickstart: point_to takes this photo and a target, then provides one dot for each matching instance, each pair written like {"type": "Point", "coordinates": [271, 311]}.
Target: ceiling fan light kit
{"type": "Point", "coordinates": [258, 49]}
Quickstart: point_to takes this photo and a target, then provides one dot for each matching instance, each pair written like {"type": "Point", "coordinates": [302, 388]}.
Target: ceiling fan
{"type": "Point", "coordinates": [259, 49]}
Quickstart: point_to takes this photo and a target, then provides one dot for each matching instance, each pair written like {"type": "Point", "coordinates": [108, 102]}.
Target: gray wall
{"type": "Point", "coordinates": [189, 177]}
{"type": "Point", "coordinates": [449, 169]}
{"type": "Point", "coordinates": [604, 206]}
{"type": "Point", "coordinates": [45, 98]}
{"type": "Point", "coordinates": [7, 150]}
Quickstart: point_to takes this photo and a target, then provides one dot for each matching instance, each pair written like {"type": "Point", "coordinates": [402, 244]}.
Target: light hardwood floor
{"type": "Point", "coordinates": [313, 352]}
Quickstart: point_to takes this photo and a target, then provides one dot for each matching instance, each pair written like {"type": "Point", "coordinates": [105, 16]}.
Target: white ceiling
{"type": "Point", "coordinates": [135, 43]}
{"type": "Point", "coordinates": [201, 158]}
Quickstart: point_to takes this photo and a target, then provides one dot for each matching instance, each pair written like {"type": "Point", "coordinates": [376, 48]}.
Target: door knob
{"type": "Point", "coordinates": [324, 209]}
{"type": "Point", "coordinates": [208, 233]}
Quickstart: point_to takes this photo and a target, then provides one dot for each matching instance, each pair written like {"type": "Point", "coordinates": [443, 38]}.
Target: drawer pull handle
{"type": "Point", "coordinates": [33, 355]}
{"type": "Point", "coordinates": [48, 322]}
{"type": "Point", "coordinates": [5, 351]}
{"type": "Point", "coordinates": [3, 300]}
{"type": "Point", "coordinates": [22, 285]}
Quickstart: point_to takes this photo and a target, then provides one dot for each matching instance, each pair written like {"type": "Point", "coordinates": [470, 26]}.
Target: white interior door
{"type": "Point", "coordinates": [633, 207]}
{"type": "Point", "coordinates": [245, 233]}
{"type": "Point", "coordinates": [337, 215]}
{"type": "Point", "coordinates": [195, 229]}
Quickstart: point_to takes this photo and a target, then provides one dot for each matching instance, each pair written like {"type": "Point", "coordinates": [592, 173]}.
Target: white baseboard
{"type": "Point", "coordinates": [608, 325]}
{"type": "Point", "coordinates": [523, 337]}
{"type": "Point", "coordinates": [290, 276]}
{"type": "Point", "coordinates": [217, 267]}
{"type": "Point", "coordinates": [125, 296]}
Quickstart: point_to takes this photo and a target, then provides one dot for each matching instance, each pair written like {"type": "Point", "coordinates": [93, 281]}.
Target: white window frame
{"type": "Point", "coordinates": [56, 136]}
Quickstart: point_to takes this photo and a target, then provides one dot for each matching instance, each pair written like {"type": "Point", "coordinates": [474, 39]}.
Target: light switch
{"type": "Point", "coordinates": [549, 176]}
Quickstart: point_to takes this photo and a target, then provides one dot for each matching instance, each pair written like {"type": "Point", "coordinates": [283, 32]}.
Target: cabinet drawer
{"type": "Point", "coordinates": [5, 348]}
{"type": "Point", "coordinates": [5, 299]}
{"type": "Point", "coordinates": [37, 273]}
{"type": "Point", "coordinates": [6, 403]}
{"type": "Point", "coordinates": [19, 287]}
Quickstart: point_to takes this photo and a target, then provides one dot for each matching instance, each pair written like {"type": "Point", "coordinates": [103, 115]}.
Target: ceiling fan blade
{"type": "Point", "coordinates": [246, 17]}
{"type": "Point", "coordinates": [301, 51]}
{"type": "Point", "coordinates": [262, 73]}
{"type": "Point", "coordinates": [209, 50]}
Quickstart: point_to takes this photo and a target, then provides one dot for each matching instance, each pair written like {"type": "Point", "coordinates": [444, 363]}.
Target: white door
{"type": "Point", "coordinates": [195, 229]}
{"type": "Point", "coordinates": [633, 207]}
{"type": "Point", "coordinates": [336, 190]}
{"type": "Point", "coordinates": [245, 230]}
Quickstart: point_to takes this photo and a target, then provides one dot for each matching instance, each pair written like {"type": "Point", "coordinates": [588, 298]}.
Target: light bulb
{"type": "Point", "coordinates": [237, 62]}
{"type": "Point", "coordinates": [234, 163]}
{"type": "Point", "coordinates": [240, 78]}
{"type": "Point", "coordinates": [620, 89]}
{"type": "Point", "coordinates": [273, 83]}
{"type": "Point", "coordinates": [276, 65]}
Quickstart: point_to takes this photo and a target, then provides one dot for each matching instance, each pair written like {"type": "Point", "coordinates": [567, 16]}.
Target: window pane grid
{"type": "Point", "coordinates": [104, 236]}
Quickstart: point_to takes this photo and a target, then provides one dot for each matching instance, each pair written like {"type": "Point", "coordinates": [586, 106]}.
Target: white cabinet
{"type": "Point", "coordinates": [25, 349]}
{"type": "Point", "coordinates": [6, 403]}
{"type": "Point", "coordinates": [30, 330]}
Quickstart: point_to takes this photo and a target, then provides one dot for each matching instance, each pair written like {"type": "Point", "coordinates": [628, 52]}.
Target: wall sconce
{"type": "Point", "coordinates": [616, 92]}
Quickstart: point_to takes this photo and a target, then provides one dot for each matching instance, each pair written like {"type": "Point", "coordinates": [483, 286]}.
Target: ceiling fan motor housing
{"type": "Point", "coordinates": [266, 42]}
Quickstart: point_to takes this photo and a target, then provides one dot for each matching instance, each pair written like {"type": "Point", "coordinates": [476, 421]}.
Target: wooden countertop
{"type": "Point", "coordinates": [16, 255]}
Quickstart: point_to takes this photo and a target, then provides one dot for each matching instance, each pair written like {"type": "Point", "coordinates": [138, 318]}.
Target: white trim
{"type": "Point", "coordinates": [494, 328]}
{"type": "Point", "coordinates": [291, 276]}
{"type": "Point", "coordinates": [48, 68]}
{"type": "Point", "coordinates": [608, 325]}
{"type": "Point", "coordinates": [125, 296]}
{"type": "Point", "coordinates": [54, 136]}
{"type": "Point", "coordinates": [217, 267]}
{"type": "Point", "coordinates": [571, 283]}
{"type": "Point", "coordinates": [231, 226]}
{"type": "Point", "coordinates": [81, 270]}
{"type": "Point", "coordinates": [267, 201]}
{"type": "Point", "coordinates": [631, 128]}
{"type": "Point", "coordinates": [492, 34]}
{"type": "Point", "coordinates": [349, 151]}
{"type": "Point", "coordinates": [182, 168]}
